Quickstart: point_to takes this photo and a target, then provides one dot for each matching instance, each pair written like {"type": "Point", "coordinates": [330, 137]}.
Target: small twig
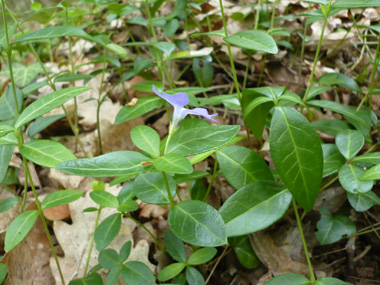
{"type": "Point", "coordinates": [216, 264]}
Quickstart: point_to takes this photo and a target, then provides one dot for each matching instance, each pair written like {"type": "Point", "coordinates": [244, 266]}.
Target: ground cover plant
{"type": "Point", "coordinates": [190, 142]}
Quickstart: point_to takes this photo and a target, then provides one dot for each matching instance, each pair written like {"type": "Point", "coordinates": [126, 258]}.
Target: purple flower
{"type": "Point", "coordinates": [179, 101]}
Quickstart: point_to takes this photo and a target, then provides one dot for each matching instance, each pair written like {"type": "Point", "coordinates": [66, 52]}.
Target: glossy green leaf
{"type": "Point", "coordinates": [113, 276]}
{"type": "Point", "coordinates": [8, 203]}
{"type": "Point", "coordinates": [107, 231]}
{"type": "Point", "coordinates": [363, 201]}
{"type": "Point", "coordinates": [194, 277]}
{"type": "Point", "coordinates": [137, 273]}
{"type": "Point", "coordinates": [42, 123]}
{"type": "Point", "coordinates": [175, 246]}
{"type": "Point", "coordinates": [330, 127]}
{"type": "Point", "coordinates": [289, 279]}
{"type": "Point", "coordinates": [339, 79]}
{"type": "Point", "coordinates": [254, 207]}
{"type": "Point", "coordinates": [146, 139]}
{"type": "Point", "coordinates": [198, 190]}
{"type": "Point", "coordinates": [104, 199]}
{"type": "Point", "coordinates": [125, 251]}
{"type": "Point", "coordinates": [253, 40]}
{"type": "Point", "coordinates": [61, 197]}
{"type": "Point", "coordinates": [170, 271]}
{"type": "Point", "coordinates": [244, 252]}
{"type": "Point", "coordinates": [146, 86]}
{"type": "Point", "coordinates": [23, 75]}
{"type": "Point", "coordinates": [3, 272]}
{"type": "Point", "coordinates": [117, 50]}
{"type": "Point", "coordinates": [126, 193]}
{"type": "Point", "coordinates": [370, 158]}
{"type": "Point", "coordinates": [332, 159]}
{"type": "Point", "coordinates": [46, 152]}
{"type": "Point", "coordinates": [371, 174]}
{"type": "Point", "coordinates": [242, 166]}
{"type": "Point", "coordinates": [202, 255]}
{"type": "Point", "coordinates": [6, 152]}
{"type": "Point", "coordinates": [110, 164]}
{"type": "Point", "coordinates": [349, 143]}
{"type": "Point", "coordinates": [329, 281]}
{"type": "Point", "coordinates": [7, 104]}
{"type": "Point", "coordinates": [331, 229]}
{"type": "Point", "coordinates": [33, 87]}
{"type": "Point", "coordinates": [150, 188]}
{"type": "Point", "coordinates": [349, 178]}
{"type": "Point", "coordinates": [128, 206]}
{"type": "Point", "coordinates": [143, 106]}
{"type": "Point", "coordinates": [92, 279]}
{"type": "Point", "coordinates": [3, 40]}
{"type": "Point", "coordinates": [48, 103]}
{"type": "Point", "coordinates": [317, 90]}
{"type": "Point", "coordinates": [180, 178]}
{"type": "Point", "coordinates": [109, 259]}
{"type": "Point", "coordinates": [197, 223]}
{"type": "Point", "coordinates": [297, 154]}
{"type": "Point", "coordinates": [352, 4]}
{"type": "Point", "coordinates": [360, 121]}
{"type": "Point", "coordinates": [19, 228]}
{"type": "Point", "coordinates": [198, 140]}
{"type": "Point", "coordinates": [56, 32]}
{"type": "Point", "coordinates": [8, 140]}
{"type": "Point", "coordinates": [173, 163]}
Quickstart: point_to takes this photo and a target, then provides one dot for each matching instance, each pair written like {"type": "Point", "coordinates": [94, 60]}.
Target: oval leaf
{"type": "Point", "coordinates": [297, 154]}
{"type": "Point", "coordinates": [135, 272]}
{"type": "Point", "coordinates": [19, 228]}
{"type": "Point", "coordinates": [197, 223]}
{"type": "Point", "coordinates": [254, 207]}
{"type": "Point", "coordinates": [194, 277]}
{"type": "Point", "coordinates": [170, 271]}
{"type": "Point", "coordinates": [349, 143]}
{"type": "Point", "coordinates": [8, 203]}
{"type": "Point", "coordinates": [332, 159]}
{"type": "Point", "coordinates": [253, 40]}
{"type": "Point", "coordinates": [363, 201]}
{"type": "Point", "coordinates": [173, 163]}
{"type": "Point", "coordinates": [109, 259]}
{"type": "Point", "coordinates": [107, 231]}
{"type": "Point", "coordinates": [143, 106]}
{"type": "Point", "coordinates": [289, 279]}
{"type": "Point", "coordinates": [146, 139]}
{"type": "Point", "coordinates": [104, 199]}
{"type": "Point", "coordinates": [61, 197]}
{"type": "Point", "coordinates": [349, 178]}
{"type": "Point", "coordinates": [202, 255]}
{"type": "Point", "coordinates": [46, 152]}
{"type": "Point", "coordinates": [175, 246]}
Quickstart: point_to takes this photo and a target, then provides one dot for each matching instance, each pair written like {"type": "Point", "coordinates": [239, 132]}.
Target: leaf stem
{"type": "Point", "coordinates": [213, 177]}
{"type": "Point", "coordinates": [312, 277]}
{"type": "Point", "coordinates": [100, 101]}
{"type": "Point", "coordinates": [92, 242]}
{"type": "Point", "coordinates": [168, 189]}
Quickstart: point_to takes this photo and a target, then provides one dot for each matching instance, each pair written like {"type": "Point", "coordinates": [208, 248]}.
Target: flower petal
{"type": "Point", "coordinates": [177, 100]}
{"type": "Point", "coordinates": [202, 112]}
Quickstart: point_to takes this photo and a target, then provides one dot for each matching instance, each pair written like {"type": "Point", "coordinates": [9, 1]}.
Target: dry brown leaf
{"type": "Point", "coordinates": [57, 213]}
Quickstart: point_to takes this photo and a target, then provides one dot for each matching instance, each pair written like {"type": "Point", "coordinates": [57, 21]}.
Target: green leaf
{"type": "Point", "coordinates": [349, 178]}
{"type": "Point", "coordinates": [111, 164]}
{"type": "Point", "coordinates": [331, 229]}
{"type": "Point", "coordinates": [46, 152]}
{"type": "Point", "coordinates": [104, 199]}
{"type": "Point", "coordinates": [170, 271]}
{"type": "Point", "coordinates": [113, 276]}
{"type": "Point", "coordinates": [371, 158]}
{"type": "Point", "coordinates": [48, 103]}
{"type": "Point", "coordinates": [142, 63]}
{"type": "Point", "coordinates": [242, 166]}
{"type": "Point", "coordinates": [150, 188]}
{"type": "Point", "coordinates": [137, 273]}
{"type": "Point", "coordinates": [202, 255]}
{"type": "Point", "coordinates": [146, 139]}
{"type": "Point", "coordinates": [171, 27]}
{"type": "Point", "coordinates": [330, 127]}
{"type": "Point", "coordinates": [190, 53]}
{"type": "Point", "coordinates": [42, 123]}
{"type": "Point", "coordinates": [194, 141]}
{"type": "Point", "coordinates": [244, 252]}
{"type": "Point", "coordinates": [253, 40]}
{"type": "Point", "coordinates": [339, 79]}
{"type": "Point", "coordinates": [204, 73]}
{"type": "Point", "coordinates": [8, 203]}
{"type": "Point", "coordinates": [254, 207]}
{"type": "Point", "coordinates": [323, 2]}
{"type": "Point", "coordinates": [349, 143]}
{"type": "Point", "coordinates": [146, 86]}
{"type": "Point", "coordinates": [23, 75]}
{"type": "Point", "coordinates": [332, 159]}
{"type": "Point", "coordinates": [143, 106]}
{"type": "Point", "coordinates": [92, 279]}
{"type": "Point", "coordinates": [289, 279]}
{"type": "Point", "coordinates": [3, 272]}
{"type": "Point", "coordinates": [7, 104]}
{"type": "Point", "coordinates": [61, 197]}
{"type": "Point", "coordinates": [197, 223]}
{"type": "Point", "coordinates": [219, 33]}
{"type": "Point", "coordinates": [6, 152]}
{"type": "Point", "coordinates": [329, 281]}
{"type": "Point", "coordinates": [3, 40]}
{"type": "Point", "coordinates": [126, 193]}
{"type": "Point", "coordinates": [352, 4]}
{"type": "Point", "coordinates": [125, 251]}
{"type": "Point", "coordinates": [5, 129]}
{"type": "Point", "coordinates": [297, 154]}
{"type": "Point", "coordinates": [372, 174]}
{"type": "Point", "coordinates": [56, 32]}
{"type": "Point", "coordinates": [107, 231]}
{"type": "Point", "coordinates": [175, 246]}
{"type": "Point", "coordinates": [33, 87]}
{"type": "Point", "coordinates": [363, 201]}
{"type": "Point", "coordinates": [8, 140]}
{"type": "Point", "coordinates": [317, 90]}
{"type": "Point", "coordinates": [70, 77]}
{"type": "Point", "coordinates": [128, 206]}
{"type": "Point", "coordinates": [361, 122]}
{"type": "Point", "coordinates": [180, 178]}
{"type": "Point", "coordinates": [173, 163]}
{"type": "Point", "coordinates": [198, 190]}
{"type": "Point", "coordinates": [109, 259]}
{"type": "Point", "coordinates": [117, 50]}
{"type": "Point", "coordinates": [19, 228]}
{"type": "Point", "coordinates": [194, 277]}
{"type": "Point", "coordinates": [166, 47]}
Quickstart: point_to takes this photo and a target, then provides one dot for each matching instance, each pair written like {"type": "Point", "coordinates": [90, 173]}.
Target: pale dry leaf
{"type": "Point", "coordinates": [66, 180]}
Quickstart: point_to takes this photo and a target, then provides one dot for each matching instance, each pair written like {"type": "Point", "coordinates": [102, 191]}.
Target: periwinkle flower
{"type": "Point", "coordinates": [179, 101]}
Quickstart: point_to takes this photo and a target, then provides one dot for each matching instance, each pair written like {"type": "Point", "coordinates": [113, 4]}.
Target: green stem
{"type": "Point", "coordinates": [257, 16]}
{"type": "Point", "coordinates": [168, 189]}
{"type": "Point", "coordinates": [41, 213]}
{"type": "Point", "coordinates": [213, 177]}
{"type": "Point", "coordinates": [149, 232]}
{"type": "Point", "coordinates": [317, 52]}
{"type": "Point", "coordinates": [92, 242]}
{"type": "Point", "coordinates": [100, 101]}
{"type": "Point", "coordinates": [364, 232]}
{"type": "Point", "coordinates": [303, 48]}
{"type": "Point", "coordinates": [247, 70]}
{"type": "Point", "coordinates": [312, 277]}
